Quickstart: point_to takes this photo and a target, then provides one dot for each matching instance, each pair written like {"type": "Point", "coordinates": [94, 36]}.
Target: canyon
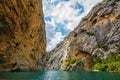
{"type": "Point", "coordinates": [23, 38]}
{"type": "Point", "coordinates": [97, 35]}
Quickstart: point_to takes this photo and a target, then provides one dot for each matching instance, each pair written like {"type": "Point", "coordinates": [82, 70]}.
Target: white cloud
{"type": "Point", "coordinates": [55, 40]}
{"type": "Point", "coordinates": [52, 1]}
{"type": "Point", "coordinates": [62, 11]}
{"type": "Point", "coordinates": [50, 30]}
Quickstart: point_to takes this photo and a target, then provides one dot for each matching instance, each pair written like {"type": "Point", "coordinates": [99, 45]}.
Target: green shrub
{"type": "Point", "coordinates": [101, 44]}
{"type": "Point", "coordinates": [83, 19]}
{"type": "Point", "coordinates": [97, 60]}
{"type": "Point", "coordinates": [99, 66]}
{"type": "Point", "coordinates": [90, 33]}
{"type": "Point", "coordinates": [1, 25]}
{"type": "Point", "coordinates": [113, 58]}
{"type": "Point", "coordinates": [112, 63]}
{"type": "Point", "coordinates": [72, 60]}
{"type": "Point", "coordinates": [114, 66]}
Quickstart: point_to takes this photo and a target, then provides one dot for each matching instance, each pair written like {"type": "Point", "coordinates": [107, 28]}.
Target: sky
{"type": "Point", "coordinates": [62, 16]}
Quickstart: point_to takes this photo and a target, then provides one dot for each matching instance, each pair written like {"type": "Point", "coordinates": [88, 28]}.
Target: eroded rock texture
{"type": "Point", "coordinates": [98, 34]}
{"type": "Point", "coordinates": [22, 35]}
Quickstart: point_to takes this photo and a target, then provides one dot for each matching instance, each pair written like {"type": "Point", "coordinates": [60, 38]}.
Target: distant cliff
{"type": "Point", "coordinates": [22, 35]}
{"type": "Point", "coordinates": [97, 37]}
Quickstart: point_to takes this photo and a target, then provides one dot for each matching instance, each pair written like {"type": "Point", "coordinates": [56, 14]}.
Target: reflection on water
{"type": "Point", "coordinates": [59, 75]}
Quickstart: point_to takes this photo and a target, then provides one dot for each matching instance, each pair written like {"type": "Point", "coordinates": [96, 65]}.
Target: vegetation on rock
{"type": "Point", "coordinates": [73, 64]}
{"type": "Point", "coordinates": [112, 63]}
{"type": "Point", "coordinates": [101, 44]}
{"type": "Point", "coordinates": [72, 61]}
{"type": "Point", "coordinates": [83, 19]}
{"type": "Point", "coordinates": [90, 33]}
{"type": "Point", "coordinates": [1, 25]}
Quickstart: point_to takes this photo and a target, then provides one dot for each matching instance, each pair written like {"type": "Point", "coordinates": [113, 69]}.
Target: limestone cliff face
{"type": "Point", "coordinates": [22, 35]}
{"type": "Point", "coordinates": [98, 34]}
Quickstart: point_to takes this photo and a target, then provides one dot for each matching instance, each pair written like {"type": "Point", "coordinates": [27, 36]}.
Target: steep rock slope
{"type": "Point", "coordinates": [22, 35]}
{"type": "Point", "coordinates": [98, 34]}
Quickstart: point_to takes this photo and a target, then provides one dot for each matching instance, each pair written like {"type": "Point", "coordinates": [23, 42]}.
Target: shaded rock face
{"type": "Point", "coordinates": [22, 35]}
{"type": "Point", "coordinates": [98, 34]}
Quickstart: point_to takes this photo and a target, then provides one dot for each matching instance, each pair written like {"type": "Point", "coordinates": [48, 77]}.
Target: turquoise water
{"type": "Point", "coordinates": [59, 75]}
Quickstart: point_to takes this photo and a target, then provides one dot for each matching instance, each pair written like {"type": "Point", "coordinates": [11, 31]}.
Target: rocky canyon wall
{"type": "Point", "coordinates": [98, 34]}
{"type": "Point", "coordinates": [22, 35]}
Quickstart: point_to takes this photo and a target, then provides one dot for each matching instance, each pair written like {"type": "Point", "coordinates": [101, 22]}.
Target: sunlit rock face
{"type": "Point", "coordinates": [98, 34]}
{"type": "Point", "coordinates": [22, 35]}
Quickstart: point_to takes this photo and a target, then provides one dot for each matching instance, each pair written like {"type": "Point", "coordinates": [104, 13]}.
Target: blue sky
{"type": "Point", "coordinates": [62, 16]}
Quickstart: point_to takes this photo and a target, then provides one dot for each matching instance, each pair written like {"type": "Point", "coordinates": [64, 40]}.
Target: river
{"type": "Point", "coordinates": [60, 75]}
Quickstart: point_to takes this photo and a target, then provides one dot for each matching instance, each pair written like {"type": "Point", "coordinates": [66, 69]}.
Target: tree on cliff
{"type": "Point", "coordinates": [22, 35]}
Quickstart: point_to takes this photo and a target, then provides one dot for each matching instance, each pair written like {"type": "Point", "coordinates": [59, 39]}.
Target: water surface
{"type": "Point", "coordinates": [59, 75]}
